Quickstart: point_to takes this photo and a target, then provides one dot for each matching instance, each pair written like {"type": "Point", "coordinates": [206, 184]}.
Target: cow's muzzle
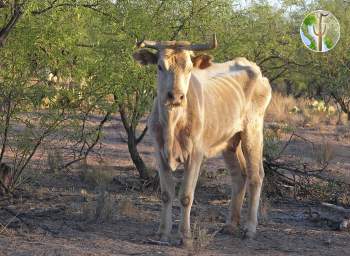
{"type": "Point", "coordinates": [175, 99]}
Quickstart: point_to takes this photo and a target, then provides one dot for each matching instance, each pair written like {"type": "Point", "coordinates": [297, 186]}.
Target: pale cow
{"type": "Point", "coordinates": [203, 108]}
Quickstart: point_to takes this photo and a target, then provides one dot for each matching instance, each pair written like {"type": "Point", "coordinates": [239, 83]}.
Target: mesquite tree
{"type": "Point", "coordinates": [48, 90]}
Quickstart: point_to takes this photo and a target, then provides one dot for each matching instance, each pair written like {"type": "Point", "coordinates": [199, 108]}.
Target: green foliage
{"type": "Point", "coordinates": [272, 145]}
{"type": "Point", "coordinates": [313, 45]}
{"type": "Point", "coordinates": [329, 42]}
{"type": "Point", "coordinates": [310, 20]}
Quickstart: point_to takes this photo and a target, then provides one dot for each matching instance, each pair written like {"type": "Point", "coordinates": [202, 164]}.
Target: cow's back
{"type": "Point", "coordinates": [234, 92]}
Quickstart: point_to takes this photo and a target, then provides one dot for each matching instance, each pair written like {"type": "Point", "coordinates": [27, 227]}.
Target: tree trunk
{"type": "Point", "coordinates": [345, 107]}
{"type": "Point", "coordinates": [132, 143]}
{"type": "Point", "coordinates": [135, 156]}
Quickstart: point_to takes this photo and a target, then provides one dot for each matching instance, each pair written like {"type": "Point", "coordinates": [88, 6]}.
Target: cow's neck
{"type": "Point", "coordinates": [172, 120]}
{"type": "Point", "coordinates": [180, 128]}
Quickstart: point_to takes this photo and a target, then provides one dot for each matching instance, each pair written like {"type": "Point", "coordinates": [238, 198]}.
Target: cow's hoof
{"type": "Point", "coordinates": [228, 229]}
{"type": "Point", "coordinates": [159, 239]}
{"type": "Point", "coordinates": [187, 243]}
{"type": "Point", "coordinates": [164, 238]}
{"type": "Point", "coordinates": [179, 240]}
{"type": "Point", "coordinates": [247, 234]}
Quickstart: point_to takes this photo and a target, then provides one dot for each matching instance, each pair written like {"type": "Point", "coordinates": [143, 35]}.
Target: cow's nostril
{"type": "Point", "coordinates": [182, 97]}
{"type": "Point", "coordinates": [170, 95]}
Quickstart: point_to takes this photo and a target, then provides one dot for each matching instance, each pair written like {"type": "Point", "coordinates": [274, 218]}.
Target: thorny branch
{"type": "Point", "coordinates": [84, 154]}
{"type": "Point", "coordinates": [302, 170]}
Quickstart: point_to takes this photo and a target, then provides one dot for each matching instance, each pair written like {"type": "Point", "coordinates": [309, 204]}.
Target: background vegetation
{"type": "Point", "coordinates": [64, 63]}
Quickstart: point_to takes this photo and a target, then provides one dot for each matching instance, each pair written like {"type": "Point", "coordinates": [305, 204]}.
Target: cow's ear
{"type": "Point", "coordinates": [202, 61]}
{"type": "Point", "coordinates": [145, 57]}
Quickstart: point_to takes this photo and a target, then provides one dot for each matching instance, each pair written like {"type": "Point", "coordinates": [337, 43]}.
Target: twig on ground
{"type": "Point", "coordinates": [21, 216]}
{"type": "Point", "coordinates": [4, 228]}
{"type": "Point", "coordinates": [156, 242]}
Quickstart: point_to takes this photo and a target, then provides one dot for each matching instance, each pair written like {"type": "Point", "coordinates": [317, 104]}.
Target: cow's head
{"type": "Point", "coordinates": [175, 61]}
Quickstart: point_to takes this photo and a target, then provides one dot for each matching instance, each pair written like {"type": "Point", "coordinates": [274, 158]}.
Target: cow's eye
{"type": "Point", "coordinates": [160, 68]}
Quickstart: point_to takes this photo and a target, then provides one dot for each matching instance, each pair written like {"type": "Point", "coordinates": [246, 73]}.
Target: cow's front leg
{"type": "Point", "coordinates": [188, 186]}
{"type": "Point", "coordinates": [167, 186]}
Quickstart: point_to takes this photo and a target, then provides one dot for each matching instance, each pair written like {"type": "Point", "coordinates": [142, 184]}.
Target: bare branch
{"type": "Point", "coordinates": [84, 155]}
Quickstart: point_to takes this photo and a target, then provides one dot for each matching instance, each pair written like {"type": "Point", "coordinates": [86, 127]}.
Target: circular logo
{"type": "Point", "coordinates": [320, 31]}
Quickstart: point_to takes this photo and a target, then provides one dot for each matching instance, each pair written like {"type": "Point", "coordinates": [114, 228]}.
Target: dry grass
{"type": "Point", "coordinates": [95, 177]}
{"type": "Point", "coordinates": [324, 153]}
{"type": "Point", "coordinates": [280, 107]}
{"type": "Point", "coordinates": [201, 237]}
{"type": "Point", "coordinates": [54, 160]}
{"type": "Point", "coordinates": [300, 112]}
{"type": "Point", "coordinates": [127, 208]}
{"type": "Point", "coordinates": [101, 210]}
{"type": "Point", "coordinates": [343, 131]}
{"type": "Point", "coordinates": [264, 209]}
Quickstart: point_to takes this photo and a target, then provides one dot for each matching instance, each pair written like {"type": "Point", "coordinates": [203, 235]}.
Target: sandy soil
{"type": "Point", "coordinates": [55, 213]}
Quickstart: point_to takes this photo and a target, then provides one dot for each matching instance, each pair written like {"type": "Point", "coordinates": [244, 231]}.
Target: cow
{"type": "Point", "coordinates": [203, 108]}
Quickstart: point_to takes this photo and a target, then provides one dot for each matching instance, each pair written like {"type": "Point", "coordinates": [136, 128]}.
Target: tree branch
{"type": "Point", "coordinates": [90, 147]}
{"type": "Point", "coordinates": [278, 75]}
{"type": "Point", "coordinates": [139, 139]}
{"type": "Point", "coordinates": [53, 6]}
{"type": "Point", "coordinates": [4, 32]}
{"type": "Point", "coordinates": [7, 126]}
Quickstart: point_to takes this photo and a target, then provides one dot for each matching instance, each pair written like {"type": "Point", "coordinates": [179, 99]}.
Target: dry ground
{"type": "Point", "coordinates": [98, 209]}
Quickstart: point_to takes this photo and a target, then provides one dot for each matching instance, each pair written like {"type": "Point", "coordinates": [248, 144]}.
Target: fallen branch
{"type": "Point", "coordinates": [334, 216]}
{"type": "Point", "coordinates": [337, 208]}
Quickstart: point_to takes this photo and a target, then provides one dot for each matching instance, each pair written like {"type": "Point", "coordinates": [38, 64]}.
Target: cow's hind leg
{"type": "Point", "coordinates": [252, 146]}
{"type": "Point", "coordinates": [167, 186]}
{"type": "Point", "coordinates": [236, 164]}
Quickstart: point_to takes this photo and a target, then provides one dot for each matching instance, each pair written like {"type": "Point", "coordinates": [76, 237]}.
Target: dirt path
{"type": "Point", "coordinates": [56, 213]}
{"type": "Point", "coordinates": [285, 230]}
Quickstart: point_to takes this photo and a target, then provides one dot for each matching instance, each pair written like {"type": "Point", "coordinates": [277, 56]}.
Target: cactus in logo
{"type": "Point", "coordinates": [321, 30]}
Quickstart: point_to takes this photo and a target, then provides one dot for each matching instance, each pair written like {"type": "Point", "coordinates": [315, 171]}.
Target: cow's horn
{"type": "Point", "coordinates": [202, 47]}
{"type": "Point", "coordinates": [149, 44]}
{"type": "Point", "coordinates": [178, 45]}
